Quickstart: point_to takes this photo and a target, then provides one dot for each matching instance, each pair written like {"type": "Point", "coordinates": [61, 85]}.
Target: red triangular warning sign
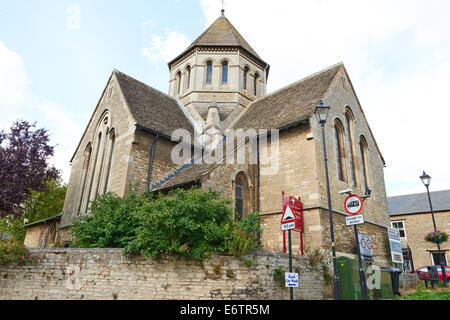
{"type": "Point", "coordinates": [288, 215]}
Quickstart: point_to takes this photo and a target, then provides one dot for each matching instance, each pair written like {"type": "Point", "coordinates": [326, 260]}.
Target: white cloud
{"type": "Point", "coordinates": [74, 19]}
{"type": "Point", "coordinates": [166, 47]}
{"type": "Point", "coordinates": [18, 102]}
{"type": "Point", "coordinates": [13, 84]}
{"type": "Point", "coordinates": [396, 52]}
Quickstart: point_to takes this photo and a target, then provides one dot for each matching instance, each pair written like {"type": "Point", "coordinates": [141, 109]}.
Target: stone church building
{"type": "Point", "coordinates": [219, 83]}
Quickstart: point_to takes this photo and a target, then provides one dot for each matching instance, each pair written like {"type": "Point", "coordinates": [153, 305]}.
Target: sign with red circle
{"type": "Point", "coordinates": [353, 205]}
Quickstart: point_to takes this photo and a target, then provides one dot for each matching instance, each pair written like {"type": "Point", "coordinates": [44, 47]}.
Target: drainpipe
{"type": "Point", "coordinates": [257, 187]}
{"type": "Point", "coordinates": [151, 163]}
{"type": "Point", "coordinates": [265, 80]}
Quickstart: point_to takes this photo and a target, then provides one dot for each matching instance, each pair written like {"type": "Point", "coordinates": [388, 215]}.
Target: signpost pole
{"type": "Point", "coordinates": [291, 290]}
{"type": "Point", "coordinates": [362, 277]}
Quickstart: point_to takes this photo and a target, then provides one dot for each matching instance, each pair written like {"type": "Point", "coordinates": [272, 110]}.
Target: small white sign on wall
{"type": "Point", "coordinates": [291, 280]}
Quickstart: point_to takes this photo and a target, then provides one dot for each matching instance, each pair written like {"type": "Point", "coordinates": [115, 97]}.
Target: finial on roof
{"type": "Point", "coordinates": [223, 9]}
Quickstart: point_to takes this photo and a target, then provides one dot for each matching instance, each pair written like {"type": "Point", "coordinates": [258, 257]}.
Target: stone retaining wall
{"type": "Point", "coordinates": [94, 274]}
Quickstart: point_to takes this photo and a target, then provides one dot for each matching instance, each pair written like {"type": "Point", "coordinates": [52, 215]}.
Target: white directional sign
{"type": "Point", "coordinates": [291, 280]}
{"type": "Point", "coordinates": [395, 245]}
{"type": "Point", "coordinates": [354, 220]}
{"type": "Point", "coordinates": [288, 226]}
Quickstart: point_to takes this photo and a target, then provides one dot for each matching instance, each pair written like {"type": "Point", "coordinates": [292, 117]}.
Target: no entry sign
{"type": "Point", "coordinates": [353, 205]}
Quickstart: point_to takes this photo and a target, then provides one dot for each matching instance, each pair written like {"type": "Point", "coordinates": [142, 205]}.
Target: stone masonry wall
{"type": "Point", "coordinates": [105, 274]}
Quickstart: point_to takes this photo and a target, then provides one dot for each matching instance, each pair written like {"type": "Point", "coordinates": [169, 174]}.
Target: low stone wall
{"type": "Point", "coordinates": [409, 281]}
{"type": "Point", "coordinates": [93, 274]}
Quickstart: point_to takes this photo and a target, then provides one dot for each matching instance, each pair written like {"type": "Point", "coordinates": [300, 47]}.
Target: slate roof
{"type": "Point", "coordinates": [189, 175]}
{"type": "Point", "coordinates": [290, 104]}
{"type": "Point", "coordinates": [219, 34]}
{"type": "Point", "coordinates": [151, 108]}
{"type": "Point", "coordinates": [418, 203]}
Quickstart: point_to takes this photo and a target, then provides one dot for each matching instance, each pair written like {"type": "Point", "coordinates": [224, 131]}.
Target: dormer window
{"type": "Point", "coordinates": [209, 69]}
{"type": "Point", "coordinates": [225, 73]}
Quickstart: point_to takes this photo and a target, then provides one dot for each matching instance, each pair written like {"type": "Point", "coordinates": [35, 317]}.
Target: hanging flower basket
{"type": "Point", "coordinates": [436, 237]}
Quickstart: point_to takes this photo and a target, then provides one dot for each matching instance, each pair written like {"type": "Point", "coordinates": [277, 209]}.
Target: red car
{"type": "Point", "coordinates": [422, 272]}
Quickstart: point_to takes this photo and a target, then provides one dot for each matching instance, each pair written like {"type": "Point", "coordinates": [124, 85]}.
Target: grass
{"type": "Point", "coordinates": [422, 293]}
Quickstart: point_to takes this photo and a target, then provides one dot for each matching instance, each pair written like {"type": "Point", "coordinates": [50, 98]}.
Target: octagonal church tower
{"type": "Point", "coordinates": [219, 67]}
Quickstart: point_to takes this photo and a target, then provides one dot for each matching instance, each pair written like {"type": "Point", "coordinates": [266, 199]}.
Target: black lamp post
{"type": "Point", "coordinates": [322, 115]}
{"type": "Point", "coordinates": [426, 179]}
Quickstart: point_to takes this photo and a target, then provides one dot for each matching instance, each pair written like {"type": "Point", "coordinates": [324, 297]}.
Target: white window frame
{"type": "Point", "coordinates": [404, 228]}
{"type": "Point", "coordinates": [444, 253]}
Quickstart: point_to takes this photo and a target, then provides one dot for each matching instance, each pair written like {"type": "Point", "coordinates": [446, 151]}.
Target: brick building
{"type": "Point", "coordinates": [411, 215]}
{"type": "Point", "coordinates": [217, 84]}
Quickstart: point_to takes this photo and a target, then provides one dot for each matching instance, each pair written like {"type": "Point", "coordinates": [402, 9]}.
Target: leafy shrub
{"type": "Point", "coordinates": [243, 235]}
{"type": "Point", "coordinates": [12, 252]}
{"type": "Point", "coordinates": [111, 224]}
{"type": "Point", "coordinates": [190, 223]}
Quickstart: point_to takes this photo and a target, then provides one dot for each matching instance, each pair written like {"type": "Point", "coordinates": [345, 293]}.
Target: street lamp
{"type": "Point", "coordinates": [426, 179]}
{"type": "Point", "coordinates": [322, 115]}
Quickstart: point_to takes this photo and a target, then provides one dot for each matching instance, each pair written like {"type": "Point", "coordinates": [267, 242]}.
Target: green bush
{"type": "Point", "coordinates": [111, 224]}
{"type": "Point", "coordinates": [191, 223]}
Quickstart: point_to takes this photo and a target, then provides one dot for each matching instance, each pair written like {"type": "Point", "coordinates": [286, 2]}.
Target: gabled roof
{"type": "Point", "coordinates": [418, 203]}
{"type": "Point", "coordinates": [219, 34]}
{"type": "Point", "coordinates": [151, 108]}
{"type": "Point", "coordinates": [290, 104]}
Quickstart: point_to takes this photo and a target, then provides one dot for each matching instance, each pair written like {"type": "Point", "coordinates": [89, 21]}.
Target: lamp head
{"type": "Point", "coordinates": [322, 112]}
{"type": "Point", "coordinates": [426, 179]}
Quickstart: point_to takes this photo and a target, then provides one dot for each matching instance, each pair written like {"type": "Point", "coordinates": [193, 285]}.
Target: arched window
{"type": "Point", "coordinates": [84, 173]}
{"type": "Point", "coordinates": [112, 140]}
{"type": "Point", "coordinates": [102, 161]}
{"type": "Point", "coordinates": [340, 150]}
{"type": "Point", "coordinates": [225, 73]}
{"type": "Point", "coordinates": [350, 119]}
{"type": "Point", "coordinates": [255, 84]}
{"type": "Point", "coordinates": [188, 76]}
{"type": "Point", "coordinates": [94, 165]}
{"type": "Point", "coordinates": [241, 196]}
{"type": "Point", "coordinates": [209, 69]}
{"type": "Point", "coordinates": [178, 82]}
{"type": "Point", "coordinates": [364, 159]}
{"type": "Point", "coordinates": [244, 83]}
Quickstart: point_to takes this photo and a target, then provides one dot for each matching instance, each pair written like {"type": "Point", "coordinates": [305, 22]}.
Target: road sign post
{"type": "Point", "coordinates": [288, 222]}
{"type": "Point", "coordinates": [354, 205]}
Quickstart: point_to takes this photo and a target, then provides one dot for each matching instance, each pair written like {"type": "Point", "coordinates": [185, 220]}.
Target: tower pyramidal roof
{"type": "Point", "coordinates": [220, 34]}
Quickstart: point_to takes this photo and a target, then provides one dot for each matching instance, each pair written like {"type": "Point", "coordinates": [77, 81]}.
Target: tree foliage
{"type": "Point", "coordinates": [24, 152]}
{"type": "Point", "coordinates": [191, 223]}
{"type": "Point", "coordinates": [38, 206]}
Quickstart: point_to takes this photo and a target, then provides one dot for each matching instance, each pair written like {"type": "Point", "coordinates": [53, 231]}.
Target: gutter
{"type": "Point", "coordinates": [44, 221]}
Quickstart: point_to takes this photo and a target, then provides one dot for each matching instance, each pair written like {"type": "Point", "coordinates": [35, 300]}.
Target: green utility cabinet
{"type": "Point", "coordinates": [350, 287]}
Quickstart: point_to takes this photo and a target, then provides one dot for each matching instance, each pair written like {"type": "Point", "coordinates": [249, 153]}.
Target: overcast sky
{"type": "Point", "coordinates": [56, 57]}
